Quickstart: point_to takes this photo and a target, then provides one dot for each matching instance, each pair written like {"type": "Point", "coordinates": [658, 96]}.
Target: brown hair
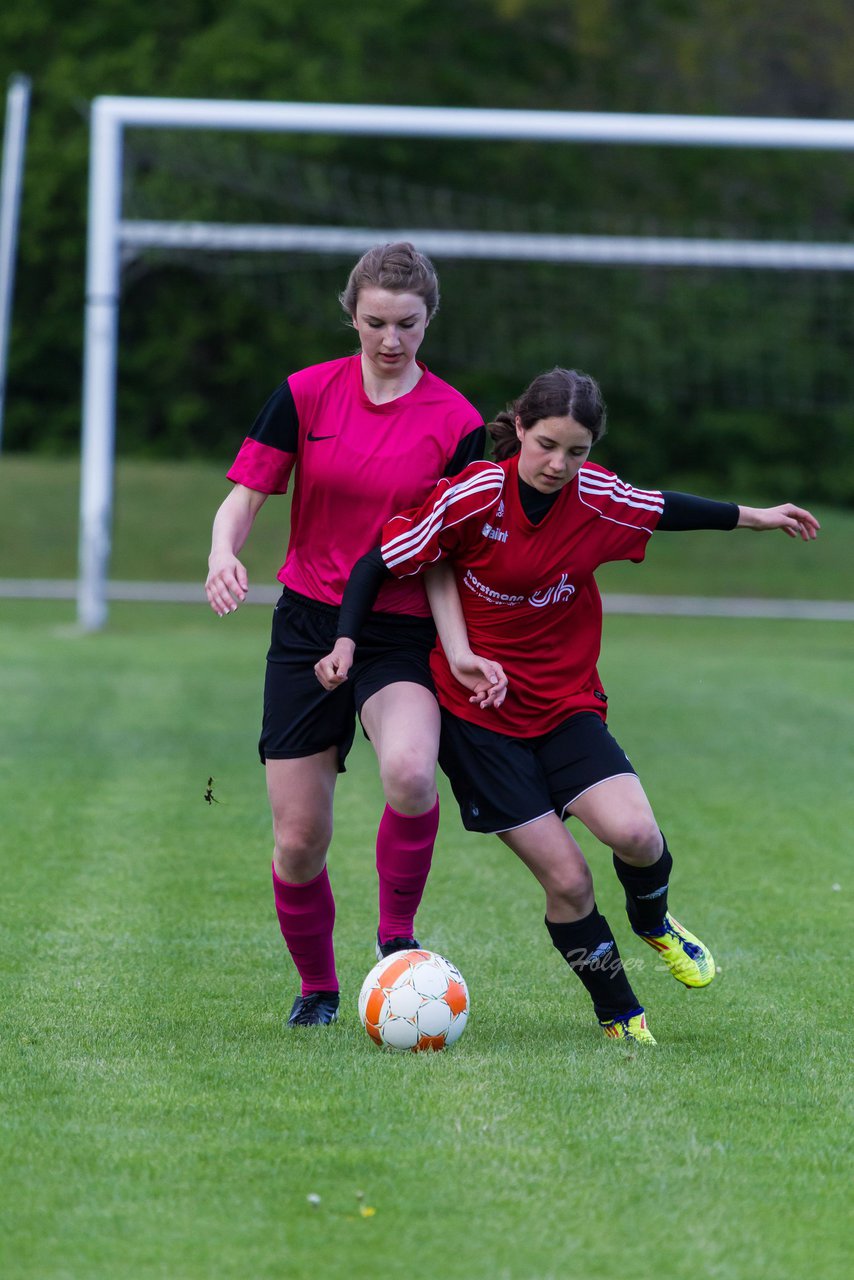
{"type": "Point", "coordinates": [557, 394]}
{"type": "Point", "coordinates": [398, 267]}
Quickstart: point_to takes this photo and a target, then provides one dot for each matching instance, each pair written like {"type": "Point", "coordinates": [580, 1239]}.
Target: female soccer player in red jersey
{"type": "Point", "coordinates": [365, 435]}
{"type": "Point", "coordinates": [525, 535]}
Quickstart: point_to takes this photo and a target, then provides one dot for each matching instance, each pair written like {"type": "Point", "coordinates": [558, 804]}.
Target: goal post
{"type": "Point", "coordinates": [110, 235]}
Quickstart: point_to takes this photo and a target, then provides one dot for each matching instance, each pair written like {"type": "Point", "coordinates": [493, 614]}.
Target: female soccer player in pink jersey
{"type": "Point", "coordinates": [525, 535]}
{"type": "Point", "coordinates": [364, 435]}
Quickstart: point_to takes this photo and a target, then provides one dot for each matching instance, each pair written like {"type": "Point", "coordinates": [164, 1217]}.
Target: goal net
{"type": "Point", "coordinates": [705, 325]}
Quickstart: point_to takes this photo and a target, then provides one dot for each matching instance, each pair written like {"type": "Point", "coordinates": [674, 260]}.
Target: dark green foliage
{"type": "Point", "coordinates": [732, 377]}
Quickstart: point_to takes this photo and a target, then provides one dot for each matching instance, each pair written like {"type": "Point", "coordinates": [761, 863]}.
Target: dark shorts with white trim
{"type": "Point", "coordinates": [301, 718]}
{"type": "Point", "coordinates": [501, 782]}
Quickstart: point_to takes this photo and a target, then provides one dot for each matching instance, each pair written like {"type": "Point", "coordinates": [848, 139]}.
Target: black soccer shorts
{"type": "Point", "coordinates": [501, 782]}
{"type": "Point", "coordinates": [301, 718]}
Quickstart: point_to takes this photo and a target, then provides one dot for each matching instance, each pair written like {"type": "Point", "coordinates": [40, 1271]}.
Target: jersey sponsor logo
{"type": "Point", "coordinates": [556, 594]}
{"type": "Point", "coordinates": [499, 510]}
{"type": "Point", "coordinates": [487, 593]}
{"type": "Point", "coordinates": [313, 438]}
{"type": "Point", "coordinates": [563, 590]}
{"type": "Point", "coordinates": [497, 535]}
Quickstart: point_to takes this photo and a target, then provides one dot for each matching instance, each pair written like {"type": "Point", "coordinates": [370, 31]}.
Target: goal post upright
{"type": "Point", "coordinates": [99, 366]}
{"type": "Point", "coordinates": [111, 115]}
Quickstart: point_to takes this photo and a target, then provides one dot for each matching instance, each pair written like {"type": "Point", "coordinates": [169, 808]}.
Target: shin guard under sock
{"type": "Point", "coordinates": [306, 917]}
{"type": "Point", "coordinates": [404, 854]}
{"type": "Point", "coordinates": [589, 949]}
{"type": "Point", "coordinates": [646, 891]}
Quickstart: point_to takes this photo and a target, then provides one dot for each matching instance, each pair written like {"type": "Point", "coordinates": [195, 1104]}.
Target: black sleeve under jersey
{"type": "Point", "coordinates": [683, 511]}
{"type": "Point", "coordinates": [470, 449]}
{"type": "Point", "coordinates": [366, 577]}
{"type": "Point", "coordinates": [277, 425]}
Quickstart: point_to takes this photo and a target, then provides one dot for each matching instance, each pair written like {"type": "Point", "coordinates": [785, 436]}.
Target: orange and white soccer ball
{"type": "Point", "coordinates": [414, 1000]}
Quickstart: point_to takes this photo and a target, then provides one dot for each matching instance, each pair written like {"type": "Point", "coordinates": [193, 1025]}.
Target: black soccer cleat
{"type": "Point", "coordinates": [386, 949]}
{"type": "Point", "coordinates": [317, 1009]}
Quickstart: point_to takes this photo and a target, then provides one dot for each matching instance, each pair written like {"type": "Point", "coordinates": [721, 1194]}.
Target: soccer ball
{"type": "Point", "coordinates": [414, 1000]}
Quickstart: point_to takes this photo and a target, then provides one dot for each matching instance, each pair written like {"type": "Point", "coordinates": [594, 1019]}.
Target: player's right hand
{"type": "Point", "coordinates": [485, 679]}
{"type": "Point", "coordinates": [334, 668]}
{"type": "Point", "coordinates": [227, 584]}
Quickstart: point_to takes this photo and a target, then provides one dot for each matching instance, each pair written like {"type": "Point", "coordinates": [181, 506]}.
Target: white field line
{"type": "Point", "coordinates": [685, 606]}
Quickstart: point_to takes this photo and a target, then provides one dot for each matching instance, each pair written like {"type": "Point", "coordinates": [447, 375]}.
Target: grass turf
{"type": "Point", "coordinates": [163, 515]}
{"type": "Point", "coordinates": [160, 1122]}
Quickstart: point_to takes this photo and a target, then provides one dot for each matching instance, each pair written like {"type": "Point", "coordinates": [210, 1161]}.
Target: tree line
{"type": "Point", "coordinates": [713, 378]}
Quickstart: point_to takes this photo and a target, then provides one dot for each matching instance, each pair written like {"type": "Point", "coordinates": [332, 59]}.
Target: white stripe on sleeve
{"type": "Point", "coordinates": [477, 493]}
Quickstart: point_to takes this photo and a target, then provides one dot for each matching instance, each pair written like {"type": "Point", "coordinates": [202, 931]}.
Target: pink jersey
{"type": "Point", "coordinates": [528, 593]}
{"type": "Point", "coordinates": [355, 464]}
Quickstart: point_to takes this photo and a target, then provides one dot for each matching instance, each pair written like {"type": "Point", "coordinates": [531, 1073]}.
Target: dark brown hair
{"type": "Point", "coordinates": [559, 393]}
{"type": "Point", "coordinates": [398, 267]}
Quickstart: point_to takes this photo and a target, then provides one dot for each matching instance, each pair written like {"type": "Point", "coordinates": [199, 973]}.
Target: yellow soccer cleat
{"type": "Point", "coordinates": [631, 1026]}
{"type": "Point", "coordinates": [688, 959]}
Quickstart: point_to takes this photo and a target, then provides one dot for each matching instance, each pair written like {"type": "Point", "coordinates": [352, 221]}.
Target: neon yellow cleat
{"type": "Point", "coordinates": [688, 959]}
{"type": "Point", "coordinates": [632, 1026]}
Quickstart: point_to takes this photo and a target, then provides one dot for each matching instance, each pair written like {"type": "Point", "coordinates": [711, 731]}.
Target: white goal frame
{"type": "Point", "coordinates": [109, 234]}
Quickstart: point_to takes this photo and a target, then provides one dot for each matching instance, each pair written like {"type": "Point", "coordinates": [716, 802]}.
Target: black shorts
{"type": "Point", "coordinates": [501, 782]}
{"type": "Point", "coordinates": [301, 718]}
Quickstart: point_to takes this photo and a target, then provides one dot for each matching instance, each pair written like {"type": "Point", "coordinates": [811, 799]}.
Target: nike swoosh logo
{"type": "Point", "coordinates": [312, 438]}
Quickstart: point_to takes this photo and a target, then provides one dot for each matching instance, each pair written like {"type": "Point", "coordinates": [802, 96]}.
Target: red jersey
{"type": "Point", "coordinates": [528, 593]}
{"type": "Point", "coordinates": [355, 464]}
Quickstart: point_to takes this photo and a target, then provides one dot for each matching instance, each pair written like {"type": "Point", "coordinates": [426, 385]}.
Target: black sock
{"type": "Point", "coordinates": [589, 949]}
{"type": "Point", "coordinates": [646, 891]}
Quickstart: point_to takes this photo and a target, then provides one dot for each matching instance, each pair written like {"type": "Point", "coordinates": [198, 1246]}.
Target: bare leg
{"type": "Point", "coordinates": [402, 722]}
{"type": "Point", "coordinates": [301, 793]}
{"type": "Point", "coordinates": [618, 813]}
{"type": "Point", "coordinates": [552, 855]}
{"type": "Point", "coordinates": [578, 931]}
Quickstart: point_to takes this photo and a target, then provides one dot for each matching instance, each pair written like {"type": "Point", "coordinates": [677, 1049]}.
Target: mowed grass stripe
{"type": "Point", "coordinates": [163, 513]}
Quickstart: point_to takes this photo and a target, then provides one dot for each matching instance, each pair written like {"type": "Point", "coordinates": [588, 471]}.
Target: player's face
{"type": "Point", "coordinates": [553, 450]}
{"type": "Point", "coordinates": [391, 328]}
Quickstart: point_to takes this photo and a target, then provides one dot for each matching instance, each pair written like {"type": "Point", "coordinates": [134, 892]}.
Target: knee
{"type": "Point", "coordinates": [409, 782]}
{"type": "Point", "coordinates": [639, 841]}
{"type": "Point", "coordinates": [571, 888]}
{"type": "Point", "coordinates": [299, 849]}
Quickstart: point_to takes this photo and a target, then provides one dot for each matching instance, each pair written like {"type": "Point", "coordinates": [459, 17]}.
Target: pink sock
{"type": "Point", "coordinates": [306, 915]}
{"type": "Point", "coordinates": [404, 853]}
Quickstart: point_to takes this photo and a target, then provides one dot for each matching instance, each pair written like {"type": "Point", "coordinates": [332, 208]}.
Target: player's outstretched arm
{"type": "Point", "coordinates": [227, 581]}
{"type": "Point", "coordinates": [794, 521]}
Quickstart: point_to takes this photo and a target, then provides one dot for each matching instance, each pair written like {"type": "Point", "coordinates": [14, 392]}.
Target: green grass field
{"type": "Point", "coordinates": [163, 514]}
{"type": "Point", "coordinates": [158, 1121]}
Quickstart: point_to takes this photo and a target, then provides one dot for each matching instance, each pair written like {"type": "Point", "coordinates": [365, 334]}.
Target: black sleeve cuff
{"type": "Point", "coordinates": [684, 511]}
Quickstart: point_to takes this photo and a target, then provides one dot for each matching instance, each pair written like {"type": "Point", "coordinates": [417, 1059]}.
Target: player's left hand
{"type": "Point", "coordinates": [794, 521]}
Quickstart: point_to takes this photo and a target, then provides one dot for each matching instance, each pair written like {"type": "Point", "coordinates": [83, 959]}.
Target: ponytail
{"type": "Point", "coordinates": [505, 442]}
